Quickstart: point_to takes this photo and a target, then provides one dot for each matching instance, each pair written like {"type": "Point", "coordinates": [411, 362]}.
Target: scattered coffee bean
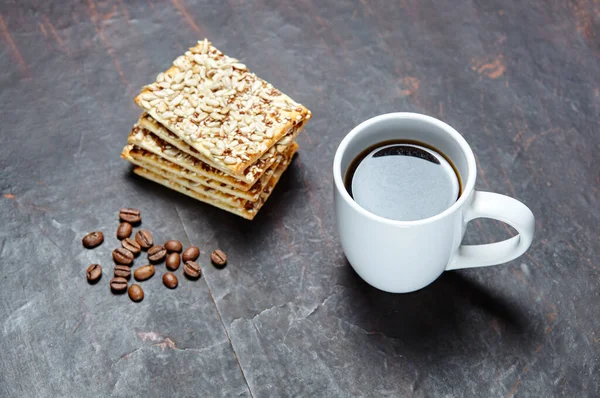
{"type": "Point", "coordinates": [170, 280]}
{"type": "Point", "coordinates": [191, 269]}
{"type": "Point", "coordinates": [144, 238]}
{"type": "Point", "coordinates": [118, 284]}
{"type": "Point", "coordinates": [131, 245]}
{"type": "Point", "coordinates": [173, 246]}
{"type": "Point", "coordinates": [92, 239]}
{"type": "Point", "coordinates": [218, 257]}
{"type": "Point", "coordinates": [173, 261]}
{"type": "Point", "coordinates": [124, 230]}
{"type": "Point", "coordinates": [130, 215]}
{"type": "Point", "coordinates": [135, 292]}
{"type": "Point", "coordinates": [190, 254]}
{"type": "Point", "coordinates": [93, 273]}
{"type": "Point", "coordinates": [122, 256]}
{"type": "Point", "coordinates": [123, 271]}
{"type": "Point", "coordinates": [144, 272]}
{"type": "Point", "coordinates": [157, 253]}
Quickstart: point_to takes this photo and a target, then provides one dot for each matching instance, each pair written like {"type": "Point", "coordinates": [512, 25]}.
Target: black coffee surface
{"type": "Point", "coordinates": [403, 181]}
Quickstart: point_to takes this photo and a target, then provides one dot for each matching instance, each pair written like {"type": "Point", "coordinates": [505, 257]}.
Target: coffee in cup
{"type": "Point", "coordinates": [403, 180]}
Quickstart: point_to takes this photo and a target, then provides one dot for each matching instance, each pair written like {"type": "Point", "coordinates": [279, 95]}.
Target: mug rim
{"type": "Point", "coordinates": [466, 148]}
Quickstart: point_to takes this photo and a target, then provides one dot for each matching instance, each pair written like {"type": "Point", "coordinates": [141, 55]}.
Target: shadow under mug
{"type": "Point", "coordinates": [404, 256]}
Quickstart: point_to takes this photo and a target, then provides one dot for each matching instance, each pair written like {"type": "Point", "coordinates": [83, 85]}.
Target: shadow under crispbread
{"type": "Point", "coordinates": [247, 210]}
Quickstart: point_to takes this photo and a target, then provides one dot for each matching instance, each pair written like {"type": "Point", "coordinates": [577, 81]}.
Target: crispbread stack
{"type": "Point", "coordinates": [214, 131]}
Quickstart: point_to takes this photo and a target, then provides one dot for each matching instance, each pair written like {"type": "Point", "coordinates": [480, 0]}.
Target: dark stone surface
{"type": "Point", "coordinates": [287, 316]}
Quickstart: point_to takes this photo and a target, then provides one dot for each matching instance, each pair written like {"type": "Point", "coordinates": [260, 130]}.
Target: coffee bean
{"type": "Point", "coordinates": [93, 273]}
{"type": "Point", "coordinates": [170, 280]}
{"type": "Point", "coordinates": [144, 272]}
{"type": "Point", "coordinates": [192, 270]}
{"type": "Point", "coordinates": [157, 253]}
{"type": "Point", "coordinates": [218, 257]}
{"type": "Point", "coordinates": [131, 245]}
{"type": "Point", "coordinates": [124, 230]}
{"type": "Point", "coordinates": [118, 284]}
{"type": "Point", "coordinates": [173, 261]}
{"type": "Point", "coordinates": [135, 292]}
{"type": "Point", "coordinates": [122, 256]}
{"type": "Point", "coordinates": [144, 238]}
{"type": "Point", "coordinates": [173, 246]}
{"type": "Point", "coordinates": [123, 271]}
{"type": "Point", "coordinates": [93, 239]}
{"type": "Point", "coordinates": [130, 215]}
{"type": "Point", "coordinates": [190, 254]}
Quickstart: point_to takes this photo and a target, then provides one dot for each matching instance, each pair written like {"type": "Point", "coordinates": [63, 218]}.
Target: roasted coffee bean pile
{"type": "Point", "coordinates": [143, 240]}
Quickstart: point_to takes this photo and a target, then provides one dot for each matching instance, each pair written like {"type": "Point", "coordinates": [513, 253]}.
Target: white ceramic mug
{"type": "Point", "coordinates": [404, 256]}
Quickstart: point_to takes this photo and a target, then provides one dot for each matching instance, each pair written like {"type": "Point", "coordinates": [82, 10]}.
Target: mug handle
{"type": "Point", "coordinates": [502, 208]}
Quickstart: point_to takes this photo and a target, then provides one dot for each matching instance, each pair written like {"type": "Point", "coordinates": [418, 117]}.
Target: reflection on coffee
{"type": "Point", "coordinates": [403, 180]}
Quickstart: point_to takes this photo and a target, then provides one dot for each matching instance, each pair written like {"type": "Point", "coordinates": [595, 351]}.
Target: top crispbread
{"type": "Point", "coordinates": [212, 102]}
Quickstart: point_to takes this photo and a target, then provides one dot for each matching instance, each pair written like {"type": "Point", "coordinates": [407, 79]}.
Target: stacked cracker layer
{"type": "Point", "coordinates": [214, 131]}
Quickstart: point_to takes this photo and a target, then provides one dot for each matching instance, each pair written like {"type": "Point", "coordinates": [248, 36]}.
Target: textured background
{"type": "Point", "coordinates": [288, 316]}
